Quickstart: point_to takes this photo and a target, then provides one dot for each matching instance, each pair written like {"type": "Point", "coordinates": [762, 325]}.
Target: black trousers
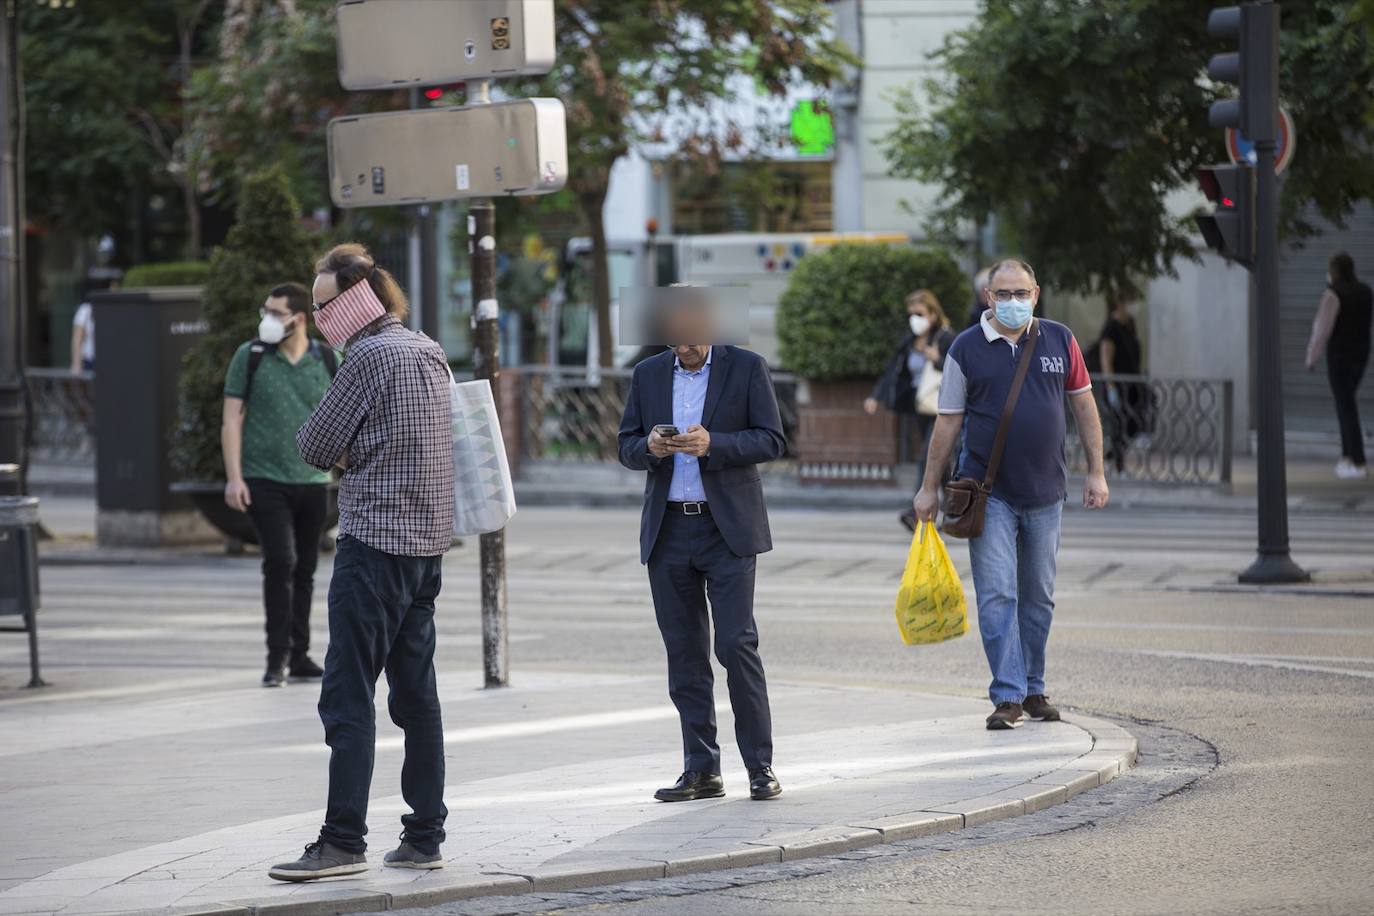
{"type": "Point", "coordinates": [289, 519]}
{"type": "Point", "coordinates": [690, 563]}
{"type": "Point", "coordinates": [381, 618]}
{"type": "Point", "coordinates": [1344, 376]}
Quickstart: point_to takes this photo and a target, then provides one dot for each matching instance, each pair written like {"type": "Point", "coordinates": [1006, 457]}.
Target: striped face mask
{"type": "Point", "coordinates": [348, 313]}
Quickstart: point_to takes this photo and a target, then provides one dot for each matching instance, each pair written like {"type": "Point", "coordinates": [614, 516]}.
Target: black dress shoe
{"type": "Point", "coordinates": [763, 784]}
{"type": "Point", "coordinates": [691, 786]}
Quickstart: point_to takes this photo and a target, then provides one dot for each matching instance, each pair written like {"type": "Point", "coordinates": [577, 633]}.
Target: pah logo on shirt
{"type": "Point", "coordinates": [1052, 364]}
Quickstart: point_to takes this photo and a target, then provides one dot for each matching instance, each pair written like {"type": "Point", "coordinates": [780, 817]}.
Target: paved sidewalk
{"type": "Point", "coordinates": [561, 798]}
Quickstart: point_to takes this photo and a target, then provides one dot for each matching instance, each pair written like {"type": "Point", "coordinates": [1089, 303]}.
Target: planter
{"type": "Point", "coordinates": [235, 526]}
{"type": "Point", "coordinates": [838, 443]}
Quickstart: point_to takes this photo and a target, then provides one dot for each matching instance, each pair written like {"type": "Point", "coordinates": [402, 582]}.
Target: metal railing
{"type": "Point", "coordinates": [569, 415]}
{"type": "Point", "coordinates": [63, 405]}
{"type": "Point", "coordinates": [1161, 430]}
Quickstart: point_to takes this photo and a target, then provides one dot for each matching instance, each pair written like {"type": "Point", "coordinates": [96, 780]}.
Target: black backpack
{"type": "Point", "coordinates": [258, 349]}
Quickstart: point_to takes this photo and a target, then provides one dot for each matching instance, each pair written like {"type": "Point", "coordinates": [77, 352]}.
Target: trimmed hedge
{"type": "Point", "coordinates": [266, 246]}
{"type": "Point", "coordinates": [170, 273]}
{"type": "Point", "coordinates": [844, 309]}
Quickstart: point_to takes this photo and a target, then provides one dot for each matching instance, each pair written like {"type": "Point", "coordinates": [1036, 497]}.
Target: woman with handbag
{"type": "Point", "coordinates": [910, 383]}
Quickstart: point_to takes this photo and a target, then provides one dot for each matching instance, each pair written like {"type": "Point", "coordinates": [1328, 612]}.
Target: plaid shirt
{"type": "Point", "coordinates": [389, 409]}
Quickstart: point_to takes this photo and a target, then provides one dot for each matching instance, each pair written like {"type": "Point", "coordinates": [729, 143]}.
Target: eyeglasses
{"type": "Point", "coordinates": [1005, 295]}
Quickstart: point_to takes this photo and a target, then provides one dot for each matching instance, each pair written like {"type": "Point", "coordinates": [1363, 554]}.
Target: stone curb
{"type": "Point", "coordinates": [1114, 751]}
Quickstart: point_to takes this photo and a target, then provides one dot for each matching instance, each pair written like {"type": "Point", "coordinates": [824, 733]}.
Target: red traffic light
{"type": "Point", "coordinates": [434, 94]}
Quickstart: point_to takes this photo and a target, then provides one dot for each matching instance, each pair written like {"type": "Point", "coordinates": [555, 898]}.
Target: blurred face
{"type": "Point", "coordinates": [919, 308]}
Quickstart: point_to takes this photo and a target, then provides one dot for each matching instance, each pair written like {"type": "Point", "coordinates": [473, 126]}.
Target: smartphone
{"type": "Point", "coordinates": [666, 430]}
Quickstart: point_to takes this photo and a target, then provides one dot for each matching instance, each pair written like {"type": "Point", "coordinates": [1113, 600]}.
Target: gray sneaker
{"type": "Point", "coordinates": [321, 860]}
{"type": "Point", "coordinates": [407, 856]}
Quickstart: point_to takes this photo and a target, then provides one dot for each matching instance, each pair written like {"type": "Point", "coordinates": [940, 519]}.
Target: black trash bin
{"type": "Point", "coordinates": [19, 571]}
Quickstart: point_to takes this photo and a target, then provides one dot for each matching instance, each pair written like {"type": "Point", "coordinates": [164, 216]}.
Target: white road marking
{"type": "Point", "coordinates": [1257, 661]}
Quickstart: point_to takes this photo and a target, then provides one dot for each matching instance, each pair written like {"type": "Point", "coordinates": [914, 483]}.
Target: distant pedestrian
{"type": "Point", "coordinates": [1014, 557]}
{"type": "Point", "coordinates": [1341, 330]}
{"type": "Point", "coordinates": [980, 305]}
{"type": "Point", "coordinates": [83, 330]}
{"type": "Point", "coordinates": [703, 525]}
{"type": "Point", "coordinates": [913, 370]}
{"type": "Point", "coordinates": [387, 422]}
{"type": "Point", "coordinates": [273, 385]}
{"type": "Point", "coordinates": [1119, 352]}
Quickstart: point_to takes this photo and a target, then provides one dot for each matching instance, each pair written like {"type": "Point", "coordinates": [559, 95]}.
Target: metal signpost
{"type": "Point", "coordinates": [1245, 228]}
{"type": "Point", "coordinates": [475, 151]}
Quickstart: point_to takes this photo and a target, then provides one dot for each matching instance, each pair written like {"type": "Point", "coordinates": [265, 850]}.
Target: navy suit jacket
{"type": "Point", "coordinates": [740, 413]}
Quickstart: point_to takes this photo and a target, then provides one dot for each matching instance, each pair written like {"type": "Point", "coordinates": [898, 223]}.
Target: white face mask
{"type": "Point", "coordinates": [919, 324]}
{"type": "Point", "coordinates": [272, 329]}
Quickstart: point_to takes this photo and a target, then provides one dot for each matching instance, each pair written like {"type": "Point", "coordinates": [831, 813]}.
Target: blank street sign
{"type": "Point", "coordinates": [431, 154]}
{"type": "Point", "coordinates": [384, 44]}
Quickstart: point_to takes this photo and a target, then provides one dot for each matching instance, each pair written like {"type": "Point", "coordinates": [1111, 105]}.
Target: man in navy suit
{"type": "Point", "coordinates": [702, 526]}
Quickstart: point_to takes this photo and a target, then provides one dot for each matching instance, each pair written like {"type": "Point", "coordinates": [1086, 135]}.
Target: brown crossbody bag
{"type": "Point", "coordinates": [966, 499]}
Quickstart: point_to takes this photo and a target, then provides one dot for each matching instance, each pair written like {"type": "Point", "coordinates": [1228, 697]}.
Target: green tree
{"type": "Point", "coordinates": [1073, 120]}
{"type": "Point", "coordinates": [266, 246]}
{"type": "Point", "coordinates": [105, 115]}
{"type": "Point", "coordinates": [621, 73]}
{"type": "Point", "coordinates": [845, 308]}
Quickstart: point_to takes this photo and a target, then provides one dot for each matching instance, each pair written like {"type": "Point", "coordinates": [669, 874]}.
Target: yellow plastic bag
{"type": "Point", "coordinates": [930, 603]}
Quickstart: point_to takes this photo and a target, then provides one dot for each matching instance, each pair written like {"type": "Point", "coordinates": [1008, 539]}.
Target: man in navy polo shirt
{"type": "Point", "coordinates": [1014, 559]}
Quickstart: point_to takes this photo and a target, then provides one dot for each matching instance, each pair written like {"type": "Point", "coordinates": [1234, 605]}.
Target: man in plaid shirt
{"type": "Point", "coordinates": [386, 420]}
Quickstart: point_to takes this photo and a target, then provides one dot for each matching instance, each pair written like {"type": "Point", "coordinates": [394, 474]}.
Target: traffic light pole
{"type": "Point", "coordinates": [1273, 564]}
{"type": "Point", "coordinates": [487, 361]}
{"type": "Point", "coordinates": [13, 412]}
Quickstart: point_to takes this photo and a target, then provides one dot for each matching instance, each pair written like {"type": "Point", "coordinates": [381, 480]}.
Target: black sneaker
{"type": "Point", "coordinates": [908, 520]}
{"type": "Point", "coordinates": [321, 860]}
{"type": "Point", "coordinates": [305, 667]}
{"type": "Point", "coordinates": [407, 856]}
{"type": "Point", "coordinates": [275, 676]}
{"type": "Point", "coordinates": [1038, 706]}
{"type": "Point", "coordinates": [1006, 715]}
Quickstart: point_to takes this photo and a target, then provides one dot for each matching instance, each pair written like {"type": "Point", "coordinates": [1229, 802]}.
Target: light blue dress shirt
{"type": "Point", "coordinates": [689, 397]}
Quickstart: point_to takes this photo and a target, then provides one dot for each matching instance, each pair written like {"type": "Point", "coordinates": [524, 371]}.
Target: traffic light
{"type": "Point", "coordinates": [1253, 67]}
{"type": "Point", "coordinates": [435, 95]}
{"type": "Point", "coordinates": [1230, 228]}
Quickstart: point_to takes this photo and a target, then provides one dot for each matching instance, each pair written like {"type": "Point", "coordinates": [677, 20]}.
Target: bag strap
{"type": "Point", "coordinates": [1000, 443]}
{"type": "Point", "coordinates": [256, 351]}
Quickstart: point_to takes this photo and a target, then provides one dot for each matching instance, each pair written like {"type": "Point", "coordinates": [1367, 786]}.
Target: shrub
{"type": "Point", "coordinates": [171, 273]}
{"type": "Point", "coordinates": [844, 309]}
{"type": "Point", "coordinates": [266, 246]}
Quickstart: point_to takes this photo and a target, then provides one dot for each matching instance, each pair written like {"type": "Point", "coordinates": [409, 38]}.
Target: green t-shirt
{"type": "Point", "coordinates": [283, 398]}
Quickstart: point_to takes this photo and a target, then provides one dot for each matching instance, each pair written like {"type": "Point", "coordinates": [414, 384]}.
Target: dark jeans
{"type": "Point", "coordinates": [690, 560]}
{"type": "Point", "coordinates": [1344, 377]}
{"type": "Point", "coordinates": [289, 519]}
{"type": "Point", "coordinates": [381, 618]}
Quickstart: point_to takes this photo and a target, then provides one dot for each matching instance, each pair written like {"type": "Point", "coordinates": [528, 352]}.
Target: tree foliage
{"type": "Point", "coordinates": [266, 246]}
{"type": "Point", "coordinates": [625, 74]}
{"type": "Point", "coordinates": [844, 309]}
{"type": "Point", "coordinates": [102, 98]}
{"type": "Point", "coordinates": [1072, 121]}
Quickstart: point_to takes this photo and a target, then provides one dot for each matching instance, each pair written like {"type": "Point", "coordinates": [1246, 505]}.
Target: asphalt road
{"type": "Point", "coordinates": [1271, 811]}
{"type": "Point", "coordinates": [1149, 628]}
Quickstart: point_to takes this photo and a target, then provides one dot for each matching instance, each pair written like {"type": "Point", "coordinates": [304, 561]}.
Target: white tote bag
{"type": "Point", "coordinates": [484, 495]}
{"type": "Point", "coordinates": [928, 391]}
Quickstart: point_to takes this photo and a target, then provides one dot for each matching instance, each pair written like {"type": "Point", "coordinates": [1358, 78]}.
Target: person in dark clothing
{"type": "Point", "coordinates": [910, 383]}
{"type": "Point", "coordinates": [1118, 349]}
{"type": "Point", "coordinates": [1341, 329]}
{"type": "Point", "coordinates": [980, 305]}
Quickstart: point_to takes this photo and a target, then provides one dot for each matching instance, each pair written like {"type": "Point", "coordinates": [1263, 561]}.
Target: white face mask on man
{"type": "Point", "coordinates": [272, 329]}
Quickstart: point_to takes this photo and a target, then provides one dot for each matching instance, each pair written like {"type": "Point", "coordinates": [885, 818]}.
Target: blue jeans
{"type": "Point", "coordinates": [381, 618]}
{"type": "Point", "coordinates": [1013, 576]}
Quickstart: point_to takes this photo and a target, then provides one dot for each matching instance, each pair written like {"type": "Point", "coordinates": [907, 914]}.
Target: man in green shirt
{"type": "Point", "coordinates": [273, 385]}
